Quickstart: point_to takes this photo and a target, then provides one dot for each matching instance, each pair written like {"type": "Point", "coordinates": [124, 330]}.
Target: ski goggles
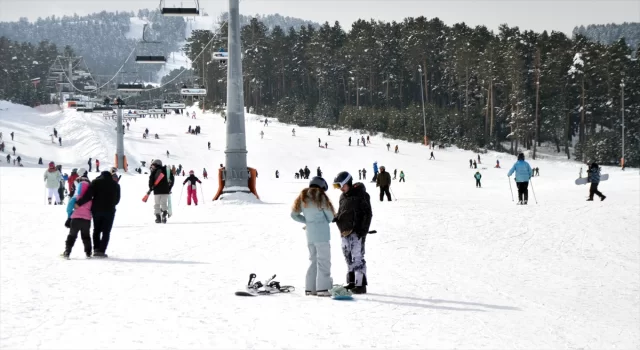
{"type": "Point", "coordinates": [338, 185]}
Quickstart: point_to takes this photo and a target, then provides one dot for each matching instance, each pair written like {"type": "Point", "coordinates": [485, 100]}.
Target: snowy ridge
{"type": "Point", "coordinates": [451, 266]}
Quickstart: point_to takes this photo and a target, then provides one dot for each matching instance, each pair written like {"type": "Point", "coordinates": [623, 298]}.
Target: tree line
{"type": "Point", "coordinates": [509, 91]}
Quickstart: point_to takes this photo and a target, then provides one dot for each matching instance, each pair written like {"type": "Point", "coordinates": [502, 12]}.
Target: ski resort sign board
{"type": "Point", "coordinates": [173, 105]}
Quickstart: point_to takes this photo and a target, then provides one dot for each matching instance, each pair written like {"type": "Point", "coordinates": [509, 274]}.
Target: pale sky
{"type": "Point", "coordinates": [538, 15]}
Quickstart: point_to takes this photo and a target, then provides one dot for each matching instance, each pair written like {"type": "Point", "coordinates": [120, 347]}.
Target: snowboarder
{"type": "Point", "coordinates": [313, 208]}
{"type": "Point", "coordinates": [383, 181]}
{"type": "Point", "coordinates": [353, 220]}
{"type": "Point", "coordinates": [192, 189]}
{"type": "Point", "coordinates": [161, 191]}
{"type": "Point", "coordinates": [79, 220]}
{"type": "Point", "coordinates": [104, 192]}
{"type": "Point", "coordinates": [52, 177]}
{"type": "Point", "coordinates": [594, 178]}
{"type": "Point", "coordinates": [523, 175]}
{"type": "Point", "coordinates": [477, 176]}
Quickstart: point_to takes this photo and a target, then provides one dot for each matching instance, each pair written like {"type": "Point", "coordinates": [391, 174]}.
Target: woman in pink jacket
{"type": "Point", "coordinates": [79, 218]}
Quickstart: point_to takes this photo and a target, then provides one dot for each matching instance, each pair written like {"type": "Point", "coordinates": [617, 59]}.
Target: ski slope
{"type": "Point", "coordinates": [451, 266]}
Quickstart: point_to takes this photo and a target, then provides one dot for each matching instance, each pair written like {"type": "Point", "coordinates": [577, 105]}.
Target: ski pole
{"type": "Point", "coordinates": [533, 191]}
{"type": "Point", "coordinates": [394, 195]}
{"type": "Point", "coordinates": [510, 189]}
{"type": "Point", "coordinates": [180, 199]}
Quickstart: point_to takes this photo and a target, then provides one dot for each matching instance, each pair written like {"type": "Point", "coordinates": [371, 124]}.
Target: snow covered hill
{"type": "Point", "coordinates": [451, 266]}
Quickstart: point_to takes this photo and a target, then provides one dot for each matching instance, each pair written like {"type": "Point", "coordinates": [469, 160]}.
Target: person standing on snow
{"type": "Point", "coordinates": [204, 173]}
{"type": "Point", "coordinates": [192, 189]}
{"type": "Point", "coordinates": [71, 182]}
{"type": "Point", "coordinates": [401, 176]}
{"type": "Point", "coordinates": [161, 191]}
{"type": "Point", "coordinates": [477, 176]}
{"type": "Point", "coordinates": [353, 220]}
{"type": "Point", "coordinates": [52, 177]}
{"type": "Point", "coordinates": [523, 175]}
{"type": "Point", "coordinates": [375, 171]}
{"type": "Point", "coordinates": [104, 193]}
{"type": "Point", "coordinates": [383, 181]}
{"type": "Point", "coordinates": [313, 208]}
{"type": "Point", "coordinates": [593, 176]}
{"type": "Point", "coordinates": [97, 166]}
{"type": "Point", "coordinates": [79, 219]}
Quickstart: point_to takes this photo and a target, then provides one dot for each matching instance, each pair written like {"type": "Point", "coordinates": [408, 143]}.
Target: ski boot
{"type": "Point", "coordinates": [158, 220]}
{"type": "Point", "coordinates": [65, 255]}
{"type": "Point", "coordinates": [164, 216]}
{"type": "Point", "coordinates": [88, 254]}
{"type": "Point", "coordinates": [101, 255]}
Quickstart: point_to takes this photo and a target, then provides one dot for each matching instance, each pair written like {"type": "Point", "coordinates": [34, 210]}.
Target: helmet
{"type": "Point", "coordinates": [157, 162]}
{"type": "Point", "coordinates": [382, 168]}
{"type": "Point", "coordinates": [343, 178]}
{"type": "Point", "coordinates": [318, 182]}
{"type": "Point", "coordinates": [521, 156]}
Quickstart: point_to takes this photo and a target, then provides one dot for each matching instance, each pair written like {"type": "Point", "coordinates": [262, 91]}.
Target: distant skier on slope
{"type": "Point", "coordinates": [313, 208]}
{"type": "Point", "coordinates": [477, 176]}
{"type": "Point", "coordinates": [192, 189]}
{"type": "Point", "coordinates": [523, 175]}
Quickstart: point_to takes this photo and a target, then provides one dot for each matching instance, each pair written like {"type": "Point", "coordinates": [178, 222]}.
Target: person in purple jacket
{"type": "Point", "coordinates": [79, 218]}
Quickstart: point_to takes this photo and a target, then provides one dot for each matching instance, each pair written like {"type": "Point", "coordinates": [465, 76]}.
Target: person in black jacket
{"type": "Point", "coordinates": [192, 190]}
{"type": "Point", "coordinates": [105, 193]}
{"type": "Point", "coordinates": [353, 220]}
{"type": "Point", "coordinates": [161, 191]}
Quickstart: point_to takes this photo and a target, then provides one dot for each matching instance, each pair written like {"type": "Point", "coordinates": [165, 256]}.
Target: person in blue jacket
{"type": "Point", "coordinates": [523, 175]}
{"type": "Point", "coordinates": [375, 171]}
{"type": "Point", "coordinates": [314, 209]}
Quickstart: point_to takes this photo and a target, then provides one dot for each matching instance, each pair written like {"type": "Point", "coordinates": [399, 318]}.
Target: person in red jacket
{"type": "Point", "coordinates": [97, 166]}
{"type": "Point", "coordinates": [72, 182]}
{"type": "Point", "coordinates": [192, 190]}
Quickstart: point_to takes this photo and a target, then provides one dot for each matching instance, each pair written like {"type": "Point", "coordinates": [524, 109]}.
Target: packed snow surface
{"type": "Point", "coordinates": [452, 266]}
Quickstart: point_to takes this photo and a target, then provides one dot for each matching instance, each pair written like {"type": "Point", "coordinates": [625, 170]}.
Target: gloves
{"type": "Point", "coordinates": [67, 223]}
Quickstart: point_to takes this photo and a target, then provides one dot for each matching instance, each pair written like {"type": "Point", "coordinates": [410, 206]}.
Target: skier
{"type": "Point", "coordinates": [477, 176]}
{"type": "Point", "coordinates": [383, 180]}
{"type": "Point", "coordinates": [71, 182]}
{"type": "Point", "coordinates": [97, 166]}
{"type": "Point", "coordinates": [52, 177]}
{"type": "Point", "coordinates": [313, 208]}
{"type": "Point", "coordinates": [432, 156]}
{"type": "Point", "coordinates": [192, 190]}
{"type": "Point", "coordinates": [353, 220]}
{"type": "Point", "coordinates": [523, 174]}
{"type": "Point", "coordinates": [375, 171]}
{"type": "Point", "coordinates": [161, 191]}
{"type": "Point", "coordinates": [79, 220]}
{"type": "Point", "coordinates": [401, 176]}
{"type": "Point", "coordinates": [104, 193]}
{"type": "Point", "coordinates": [204, 173]}
{"type": "Point", "coordinates": [594, 178]}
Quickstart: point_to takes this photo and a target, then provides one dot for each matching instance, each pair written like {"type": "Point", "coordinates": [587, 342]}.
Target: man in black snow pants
{"type": "Point", "coordinates": [353, 220]}
{"type": "Point", "coordinates": [384, 181]}
{"type": "Point", "coordinates": [105, 193]}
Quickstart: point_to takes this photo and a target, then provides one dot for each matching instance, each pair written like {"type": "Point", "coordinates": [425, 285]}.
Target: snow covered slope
{"type": "Point", "coordinates": [451, 266]}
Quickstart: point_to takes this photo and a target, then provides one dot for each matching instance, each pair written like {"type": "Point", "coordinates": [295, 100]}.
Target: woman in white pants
{"type": "Point", "coordinates": [52, 177]}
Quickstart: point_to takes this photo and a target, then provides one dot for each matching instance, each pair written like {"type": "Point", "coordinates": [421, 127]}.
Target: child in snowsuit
{"type": "Point", "coordinates": [79, 220]}
{"type": "Point", "coordinates": [192, 190]}
{"type": "Point", "coordinates": [477, 176]}
{"type": "Point", "coordinates": [313, 208]}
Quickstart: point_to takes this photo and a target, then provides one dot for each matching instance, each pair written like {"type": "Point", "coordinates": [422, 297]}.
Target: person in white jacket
{"type": "Point", "coordinates": [52, 177]}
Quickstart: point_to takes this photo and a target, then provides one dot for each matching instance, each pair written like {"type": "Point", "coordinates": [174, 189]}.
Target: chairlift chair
{"type": "Point", "coordinates": [157, 59]}
{"type": "Point", "coordinates": [134, 87]}
{"type": "Point", "coordinates": [180, 11]}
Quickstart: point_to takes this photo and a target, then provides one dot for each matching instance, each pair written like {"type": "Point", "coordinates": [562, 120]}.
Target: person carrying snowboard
{"type": "Point", "coordinates": [477, 176]}
{"type": "Point", "coordinates": [523, 175]}
{"type": "Point", "coordinates": [192, 190]}
{"type": "Point", "coordinates": [161, 191]}
{"type": "Point", "coordinates": [384, 181]}
{"type": "Point", "coordinates": [52, 177]}
{"type": "Point", "coordinates": [79, 219]}
{"type": "Point", "coordinates": [593, 176]}
{"type": "Point", "coordinates": [313, 208]}
{"type": "Point", "coordinates": [353, 220]}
